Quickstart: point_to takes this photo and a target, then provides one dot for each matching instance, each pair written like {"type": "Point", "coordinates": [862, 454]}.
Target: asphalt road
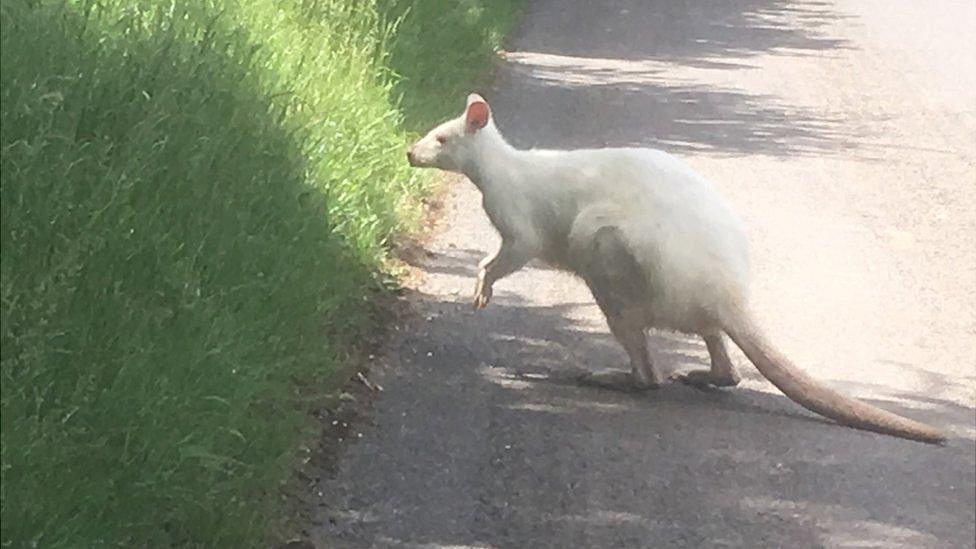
{"type": "Point", "coordinates": [844, 133]}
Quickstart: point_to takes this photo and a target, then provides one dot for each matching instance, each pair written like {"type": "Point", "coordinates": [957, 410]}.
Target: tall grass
{"type": "Point", "coordinates": [441, 52]}
{"type": "Point", "coordinates": [195, 202]}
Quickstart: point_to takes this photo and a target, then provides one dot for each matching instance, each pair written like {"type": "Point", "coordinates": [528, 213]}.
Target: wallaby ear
{"type": "Point", "coordinates": [477, 113]}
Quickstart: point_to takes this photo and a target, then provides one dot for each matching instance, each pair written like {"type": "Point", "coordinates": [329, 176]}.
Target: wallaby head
{"type": "Point", "coordinates": [455, 143]}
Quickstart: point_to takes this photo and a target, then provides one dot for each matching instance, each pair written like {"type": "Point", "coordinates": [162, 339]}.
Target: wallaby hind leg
{"type": "Point", "coordinates": [619, 288]}
{"type": "Point", "coordinates": [643, 375]}
{"type": "Point", "coordinates": [722, 372]}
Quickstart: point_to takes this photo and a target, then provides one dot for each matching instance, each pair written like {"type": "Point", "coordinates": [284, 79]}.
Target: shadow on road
{"type": "Point", "coordinates": [635, 90]}
{"type": "Point", "coordinates": [541, 457]}
{"type": "Point", "coordinates": [702, 34]}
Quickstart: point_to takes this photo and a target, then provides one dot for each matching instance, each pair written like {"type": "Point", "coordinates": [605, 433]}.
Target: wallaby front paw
{"type": "Point", "coordinates": [482, 295]}
{"type": "Point", "coordinates": [481, 301]}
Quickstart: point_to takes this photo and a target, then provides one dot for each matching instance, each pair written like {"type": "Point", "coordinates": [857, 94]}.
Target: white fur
{"type": "Point", "coordinates": [690, 245]}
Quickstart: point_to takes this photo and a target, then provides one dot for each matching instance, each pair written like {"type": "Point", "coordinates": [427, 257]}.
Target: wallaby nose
{"type": "Point", "coordinates": [410, 156]}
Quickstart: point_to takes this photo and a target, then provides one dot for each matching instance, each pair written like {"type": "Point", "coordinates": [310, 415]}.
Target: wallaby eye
{"type": "Point", "coordinates": [441, 139]}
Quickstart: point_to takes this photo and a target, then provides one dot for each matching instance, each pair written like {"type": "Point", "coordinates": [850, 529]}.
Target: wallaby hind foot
{"type": "Point", "coordinates": [617, 380]}
{"type": "Point", "coordinates": [722, 372]}
{"type": "Point", "coordinates": [643, 375]}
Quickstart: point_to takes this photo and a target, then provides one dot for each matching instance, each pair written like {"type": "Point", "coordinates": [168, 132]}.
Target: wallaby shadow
{"type": "Point", "coordinates": [552, 69]}
{"type": "Point", "coordinates": [540, 457]}
{"type": "Point", "coordinates": [461, 262]}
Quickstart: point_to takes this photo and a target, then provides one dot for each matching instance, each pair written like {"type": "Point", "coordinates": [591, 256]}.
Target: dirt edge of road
{"type": "Point", "coordinates": [346, 411]}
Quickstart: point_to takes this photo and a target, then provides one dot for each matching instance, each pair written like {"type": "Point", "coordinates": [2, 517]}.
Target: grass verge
{"type": "Point", "coordinates": [196, 202]}
{"type": "Point", "coordinates": [440, 55]}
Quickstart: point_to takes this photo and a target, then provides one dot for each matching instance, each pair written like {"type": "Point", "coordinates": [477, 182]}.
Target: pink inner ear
{"type": "Point", "coordinates": [477, 115]}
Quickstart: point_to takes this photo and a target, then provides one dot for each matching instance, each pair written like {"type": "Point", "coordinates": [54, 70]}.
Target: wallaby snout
{"type": "Point", "coordinates": [425, 153]}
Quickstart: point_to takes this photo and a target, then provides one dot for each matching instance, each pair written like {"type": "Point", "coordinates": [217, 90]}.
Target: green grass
{"type": "Point", "coordinates": [442, 54]}
{"type": "Point", "coordinates": [197, 199]}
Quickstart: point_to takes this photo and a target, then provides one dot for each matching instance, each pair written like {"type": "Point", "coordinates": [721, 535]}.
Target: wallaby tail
{"type": "Point", "coordinates": [809, 393]}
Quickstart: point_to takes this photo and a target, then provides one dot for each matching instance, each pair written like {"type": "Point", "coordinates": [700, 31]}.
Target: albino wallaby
{"type": "Point", "coordinates": [654, 241]}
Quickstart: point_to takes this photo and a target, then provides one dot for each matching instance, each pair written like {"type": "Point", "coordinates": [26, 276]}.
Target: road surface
{"type": "Point", "coordinates": [844, 133]}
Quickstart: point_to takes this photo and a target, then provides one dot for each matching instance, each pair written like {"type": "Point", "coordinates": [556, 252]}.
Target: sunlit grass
{"type": "Point", "coordinates": [197, 198]}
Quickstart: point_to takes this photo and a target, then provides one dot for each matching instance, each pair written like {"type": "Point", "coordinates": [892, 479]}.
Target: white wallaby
{"type": "Point", "coordinates": [654, 241]}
